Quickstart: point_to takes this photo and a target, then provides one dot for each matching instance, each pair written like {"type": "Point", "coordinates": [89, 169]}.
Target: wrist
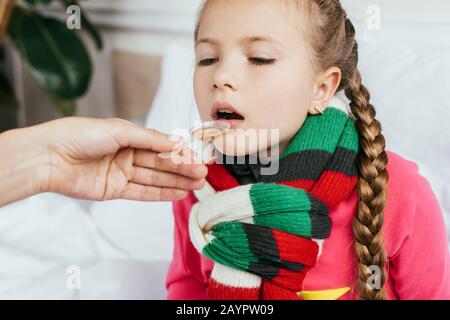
{"type": "Point", "coordinates": [38, 157]}
{"type": "Point", "coordinates": [24, 164]}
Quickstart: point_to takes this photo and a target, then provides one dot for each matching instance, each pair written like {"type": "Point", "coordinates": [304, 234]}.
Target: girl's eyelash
{"type": "Point", "coordinates": [261, 61]}
{"type": "Point", "coordinates": [256, 61]}
{"type": "Point", "coordinates": [207, 62]}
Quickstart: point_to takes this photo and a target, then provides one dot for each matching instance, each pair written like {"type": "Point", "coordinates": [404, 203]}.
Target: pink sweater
{"type": "Point", "coordinates": [414, 233]}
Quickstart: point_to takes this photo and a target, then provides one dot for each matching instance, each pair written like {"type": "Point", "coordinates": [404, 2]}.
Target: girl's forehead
{"type": "Point", "coordinates": [244, 40]}
{"type": "Point", "coordinates": [247, 21]}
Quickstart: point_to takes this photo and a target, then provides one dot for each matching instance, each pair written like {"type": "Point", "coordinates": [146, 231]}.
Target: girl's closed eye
{"type": "Point", "coordinates": [207, 62]}
{"type": "Point", "coordinates": [261, 61]}
{"type": "Point", "coordinates": [254, 60]}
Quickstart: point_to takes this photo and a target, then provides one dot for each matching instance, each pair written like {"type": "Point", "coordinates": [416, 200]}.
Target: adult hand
{"type": "Point", "coordinates": [94, 159]}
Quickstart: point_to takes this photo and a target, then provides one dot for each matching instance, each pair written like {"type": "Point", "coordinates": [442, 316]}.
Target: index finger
{"type": "Point", "coordinates": [131, 135]}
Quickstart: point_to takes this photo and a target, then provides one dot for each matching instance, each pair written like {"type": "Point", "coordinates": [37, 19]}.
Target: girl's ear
{"type": "Point", "coordinates": [324, 90]}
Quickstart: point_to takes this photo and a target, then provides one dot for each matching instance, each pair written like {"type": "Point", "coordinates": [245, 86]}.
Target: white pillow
{"type": "Point", "coordinates": [409, 86]}
{"type": "Point", "coordinates": [174, 106]}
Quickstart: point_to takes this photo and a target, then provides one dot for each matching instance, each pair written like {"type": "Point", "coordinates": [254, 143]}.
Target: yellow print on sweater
{"type": "Point", "coordinates": [332, 294]}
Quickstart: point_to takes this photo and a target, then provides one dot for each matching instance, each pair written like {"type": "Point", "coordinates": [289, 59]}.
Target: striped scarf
{"type": "Point", "coordinates": [266, 235]}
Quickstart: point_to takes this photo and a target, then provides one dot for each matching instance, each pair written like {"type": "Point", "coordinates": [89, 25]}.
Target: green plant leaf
{"type": "Point", "coordinates": [8, 105]}
{"type": "Point", "coordinates": [86, 24]}
{"type": "Point", "coordinates": [55, 55]}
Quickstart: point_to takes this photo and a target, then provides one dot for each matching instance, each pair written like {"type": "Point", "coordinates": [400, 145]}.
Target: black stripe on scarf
{"type": "Point", "coordinates": [310, 164]}
{"type": "Point", "coordinates": [263, 244]}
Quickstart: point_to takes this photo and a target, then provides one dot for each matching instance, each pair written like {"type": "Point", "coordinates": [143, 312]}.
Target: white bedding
{"type": "Point", "coordinates": [119, 252]}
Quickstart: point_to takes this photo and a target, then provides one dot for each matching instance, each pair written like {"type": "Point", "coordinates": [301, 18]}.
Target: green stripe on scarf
{"type": "Point", "coordinates": [326, 127]}
{"type": "Point", "coordinates": [230, 246]}
{"type": "Point", "coordinates": [349, 139]}
{"type": "Point", "coordinates": [291, 215]}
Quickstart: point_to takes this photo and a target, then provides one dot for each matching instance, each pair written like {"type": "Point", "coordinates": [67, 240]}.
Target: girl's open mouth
{"type": "Point", "coordinates": [225, 112]}
{"type": "Point", "coordinates": [223, 115]}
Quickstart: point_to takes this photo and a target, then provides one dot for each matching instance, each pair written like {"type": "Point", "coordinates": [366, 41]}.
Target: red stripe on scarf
{"type": "Point", "coordinates": [218, 291]}
{"type": "Point", "coordinates": [295, 248]}
{"type": "Point", "coordinates": [290, 280]}
{"type": "Point", "coordinates": [343, 186]}
{"type": "Point", "coordinates": [219, 177]}
{"type": "Point", "coordinates": [333, 187]}
{"type": "Point", "coordinates": [271, 291]}
{"type": "Point", "coordinates": [299, 184]}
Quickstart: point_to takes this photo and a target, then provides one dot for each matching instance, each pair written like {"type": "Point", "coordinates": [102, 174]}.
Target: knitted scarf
{"type": "Point", "coordinates": [265, 235]}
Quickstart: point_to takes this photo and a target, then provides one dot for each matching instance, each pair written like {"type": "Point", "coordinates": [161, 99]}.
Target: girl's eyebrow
{"type": "Point", "coordinates": [206, 40]}
{"type": "Point", "coordinates": [261, 39]}
{"type": "Point", "coordinates": [243, 40]}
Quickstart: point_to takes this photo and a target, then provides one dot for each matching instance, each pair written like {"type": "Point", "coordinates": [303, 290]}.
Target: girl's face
{"type": "Point", "coordinates": [251, 58]}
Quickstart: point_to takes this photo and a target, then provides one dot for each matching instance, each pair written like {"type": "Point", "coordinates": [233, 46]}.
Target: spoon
{"type": "Point", "coordinates": [203, 132]}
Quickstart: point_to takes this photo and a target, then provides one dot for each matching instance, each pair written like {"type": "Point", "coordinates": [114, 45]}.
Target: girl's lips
{"type": "Point", "coordinates": [226, 106]}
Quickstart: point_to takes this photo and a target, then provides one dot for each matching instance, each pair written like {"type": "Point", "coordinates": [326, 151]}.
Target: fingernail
{"type": "Point", "coordinates": [202, 171]}
{"type": "Point", "coordinates": [202, 185]}
{"type": "Point", "coordinates": [175, 138]}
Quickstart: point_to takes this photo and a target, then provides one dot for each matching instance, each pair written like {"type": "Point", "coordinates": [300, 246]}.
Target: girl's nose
{"type": "Point", "coordinates": [223, 79]}
{"type": "Point", "coordinates": [221, 85]}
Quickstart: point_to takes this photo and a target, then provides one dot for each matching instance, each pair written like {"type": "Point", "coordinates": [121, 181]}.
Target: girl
{"type": "Point", "coordinates": [342, 218]}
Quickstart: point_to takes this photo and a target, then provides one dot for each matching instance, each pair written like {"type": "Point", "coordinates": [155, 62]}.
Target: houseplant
{"type": "Point", "coordinates": [54, 54]}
